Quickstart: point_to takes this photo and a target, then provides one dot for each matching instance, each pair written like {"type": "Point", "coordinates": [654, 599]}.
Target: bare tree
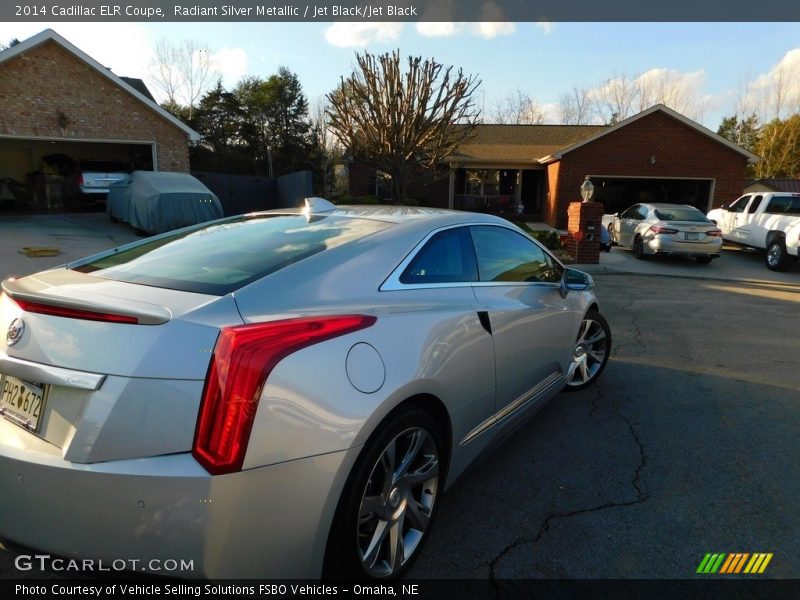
{"type": "Point", "coordinates": [516, 108]}
{"type": "Point", "coordinates": [183, 72]}
{"type": "Point", "coordinates": [164, 71]}
{"type": "Point", "coordinates": [576, 106]}
{"type": "Point", "coordinates": [330, 148]}
{"type": "Point", "coordinates": [615, 99]}
{"type": "Point", "coordinates": [395, 119]}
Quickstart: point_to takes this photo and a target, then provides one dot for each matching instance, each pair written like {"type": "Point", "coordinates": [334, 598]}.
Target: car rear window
{"type": "Point", "coordinates": [102, 166]}
{"type": "Point", "coordinates": [680, 214]}
{"type": "Point", "coordinates": [227, 255]}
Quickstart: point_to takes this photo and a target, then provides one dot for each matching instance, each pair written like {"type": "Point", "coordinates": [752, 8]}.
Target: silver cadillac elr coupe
{"type": "Point", "coordinates": [278, 395]}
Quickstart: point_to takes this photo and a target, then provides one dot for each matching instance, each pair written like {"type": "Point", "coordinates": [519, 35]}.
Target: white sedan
{"type": "Point", "coordinates": [662, 229]}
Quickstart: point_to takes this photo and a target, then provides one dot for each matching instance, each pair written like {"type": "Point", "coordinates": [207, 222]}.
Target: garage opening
{"type": "Point", "coordinates": [43, 176]}
{"type": "Point", "coordinates": [618, 193]}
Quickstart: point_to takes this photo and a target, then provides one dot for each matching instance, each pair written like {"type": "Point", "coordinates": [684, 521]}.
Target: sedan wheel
{"type": "Point", "coordinates": [638, 248]}
{"type": "Point", "coordinates": [592, 348]}
{"type": "Point", "coordinates": [390, 503]}
{"type": "Point", "coordinates": [612, 236]}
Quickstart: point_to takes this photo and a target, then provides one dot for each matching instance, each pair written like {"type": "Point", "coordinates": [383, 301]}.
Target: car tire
{"type": "Point", "coordinates": [777, 257]}
{"type": "Point", "coordinates": [388, 505]}
{"type": "Point", "coordinates": [703, 260]}
{"type": "Point", "coordinates": [592, 349]}
{"type": "Point", "coordinates": [638, 248]}
{"type": "Point", "coordinates": [611, 239]}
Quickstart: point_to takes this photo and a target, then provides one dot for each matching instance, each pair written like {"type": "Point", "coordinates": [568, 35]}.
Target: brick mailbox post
{"type": "Point", "coordinates": [583, 224]}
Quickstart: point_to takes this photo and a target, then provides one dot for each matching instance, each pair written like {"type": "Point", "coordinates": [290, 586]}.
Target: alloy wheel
{"type": "Point", "coordinates": [591, 352]}
{"type": "Point", "coordinates": [397, 502]}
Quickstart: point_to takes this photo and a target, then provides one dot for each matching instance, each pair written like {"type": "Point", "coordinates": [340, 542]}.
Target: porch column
{"type": "Point", "coordinates": [518, 189]}
{"type": "Point", "coordinates": [451, 193]}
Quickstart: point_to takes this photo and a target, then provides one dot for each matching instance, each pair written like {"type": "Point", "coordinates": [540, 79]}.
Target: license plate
{"type": "Point", "coordinates": [691, 236]}
{"type": "Point", "coordinates": [22, 402]}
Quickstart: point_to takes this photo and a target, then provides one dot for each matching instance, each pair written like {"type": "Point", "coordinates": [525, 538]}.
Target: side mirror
{"type": "Point", "coordinates": [575, 281]}
{"type": "Point", "coordinates": [724, 207]}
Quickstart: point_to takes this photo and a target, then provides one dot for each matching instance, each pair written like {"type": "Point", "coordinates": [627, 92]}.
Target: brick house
{"type": "Point", "coordinates": [657, 155]}
{"type": "Point", "coordinates": [55, 99]}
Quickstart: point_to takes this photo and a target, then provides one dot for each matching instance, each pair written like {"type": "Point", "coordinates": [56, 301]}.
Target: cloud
{"type": "Point", "coordinates": [231, 63]}
{"type": "Point", "coordinates": [777, 92]}
{"type": "Point", "coordinates": [493, 22]}
{"type": "Point", "coordinates": [545, 26]}
{"type": "Point", "coordinates": [492, 29]}
{"type": "Point", "coordinates": [551, 113]}
{"type": "Point", "coordinates": [360, 35]}
{"type": "Point", "coordinates": [438, 29]}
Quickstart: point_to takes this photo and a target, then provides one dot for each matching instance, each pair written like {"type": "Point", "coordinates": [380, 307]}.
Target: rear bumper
{"type": "Point", "coordinates": [660, 245]}
{"type": "Point", "coordinates": [152, 513]}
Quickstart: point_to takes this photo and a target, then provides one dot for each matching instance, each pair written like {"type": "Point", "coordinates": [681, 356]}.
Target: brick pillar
{"type": "Point", "coordinates": [583, 224]}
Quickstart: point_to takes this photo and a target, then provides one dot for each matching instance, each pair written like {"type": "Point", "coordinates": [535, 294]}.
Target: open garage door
{"type": "Point", "coordinates": [40, 175]}
{"type": "Point", "coordinates": [618, 193]}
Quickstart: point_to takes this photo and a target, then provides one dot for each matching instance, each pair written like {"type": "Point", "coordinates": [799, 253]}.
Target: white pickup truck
{"type": "Point", "coordinates": [766, 220]}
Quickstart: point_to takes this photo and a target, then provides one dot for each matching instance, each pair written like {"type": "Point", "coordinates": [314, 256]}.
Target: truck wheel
{"type": "Point", "coordinates": [777, 257]}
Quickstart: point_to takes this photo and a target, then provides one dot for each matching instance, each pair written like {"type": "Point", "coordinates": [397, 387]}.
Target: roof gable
{"type": "Point", "coordinates": [50, 35]}
{"type": "Point", "coordinates": [751, 158]}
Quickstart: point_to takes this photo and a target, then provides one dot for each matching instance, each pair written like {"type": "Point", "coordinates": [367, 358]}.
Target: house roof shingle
{"type": "Point", "coordinates": [780, 185]}
{"type": "Point", "coordinates": [519, 143]}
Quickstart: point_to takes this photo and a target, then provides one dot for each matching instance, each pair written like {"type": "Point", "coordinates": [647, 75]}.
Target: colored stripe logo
{"type": "Point", "coordinates": [737, 562]}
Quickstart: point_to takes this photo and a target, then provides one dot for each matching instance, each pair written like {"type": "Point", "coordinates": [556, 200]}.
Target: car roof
{"type": "Point", "coordinates": [668, 205]}
{"type": "Point", "coordinates": [425, 216]}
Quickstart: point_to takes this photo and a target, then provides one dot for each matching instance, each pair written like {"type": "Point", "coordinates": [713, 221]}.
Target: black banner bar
{"type": "Point", "coordinates": [399, 10]}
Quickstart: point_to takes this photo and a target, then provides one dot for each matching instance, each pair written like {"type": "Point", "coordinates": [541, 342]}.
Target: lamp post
{"type": "Point", "coordinates": [587, 189]}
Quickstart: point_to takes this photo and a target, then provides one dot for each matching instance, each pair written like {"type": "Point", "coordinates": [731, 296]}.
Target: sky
{"type": "Point", "coordinates": [716, 61]}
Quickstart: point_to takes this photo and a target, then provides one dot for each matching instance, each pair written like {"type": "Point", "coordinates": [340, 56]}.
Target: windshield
{"type": "Point", "coordinates": [225, 256]}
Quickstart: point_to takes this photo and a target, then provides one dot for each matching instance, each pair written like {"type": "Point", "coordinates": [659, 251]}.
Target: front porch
{"type": "Point", "coordinates": [519, 192]}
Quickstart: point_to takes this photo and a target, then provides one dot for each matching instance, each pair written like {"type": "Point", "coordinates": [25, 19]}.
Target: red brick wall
{"type": "Point", "coordinates": [36, 85]}
{"type": "Point", "coordinates": [680, 151]}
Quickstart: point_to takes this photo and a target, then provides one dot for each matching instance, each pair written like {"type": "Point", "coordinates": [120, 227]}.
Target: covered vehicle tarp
{"type": "Point", "coordinates": [159, 201]}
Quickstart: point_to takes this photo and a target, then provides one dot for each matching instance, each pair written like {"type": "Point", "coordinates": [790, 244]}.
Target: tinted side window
{"type": "Point", "coordinates": [754, 204]}
{"type": "Point", "coordinates": [630, 213]}
{"type": "Point", "coordinates": [740, 204]}
{"type": "Point", "coordinates": [782, 205]}
{"type": "Point", "coordinates": [505, 255]}
{"type": "Point", "coordinates": [641, 214]}
{"type": "Point", "coordinates": [448, 257]}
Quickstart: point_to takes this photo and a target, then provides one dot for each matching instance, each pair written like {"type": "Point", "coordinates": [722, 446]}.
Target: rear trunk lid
{"type": "Point", "coordinates": [106, 389]}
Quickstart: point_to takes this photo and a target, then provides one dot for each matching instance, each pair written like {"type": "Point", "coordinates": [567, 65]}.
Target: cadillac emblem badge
{"type": "Point", "coordinates": [15, 331]}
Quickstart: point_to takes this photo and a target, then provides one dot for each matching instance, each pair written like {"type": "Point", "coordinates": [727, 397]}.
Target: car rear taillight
{"type": "Point", "coordinates": [74, 313]}
{"type": "Point", "coordinates": [714, 233]}
{"type": "Point", "coordinates": [243, 358]}
{"type": "Point", "coordinates": [662, 229]}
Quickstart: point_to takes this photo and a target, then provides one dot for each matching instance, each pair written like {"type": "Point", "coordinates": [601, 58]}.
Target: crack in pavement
{"type": "Point", "coordinates": [637, 331]}
{"type": "Point", "coordinates": [636, 482]}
